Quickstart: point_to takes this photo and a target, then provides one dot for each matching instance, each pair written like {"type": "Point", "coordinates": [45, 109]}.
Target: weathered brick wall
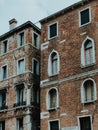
{"type": "Point", "coordinates": [68, 45]}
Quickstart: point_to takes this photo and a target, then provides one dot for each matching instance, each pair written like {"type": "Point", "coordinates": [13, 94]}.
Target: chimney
{"type": "Point", "coordinates": [12, 23]}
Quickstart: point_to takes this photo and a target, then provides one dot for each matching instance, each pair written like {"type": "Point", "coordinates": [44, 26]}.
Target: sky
{"type": "Point", "coordinates": [28, 10]}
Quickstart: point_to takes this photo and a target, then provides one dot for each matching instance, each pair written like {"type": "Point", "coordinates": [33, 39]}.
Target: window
{"type": "Point", "coordinates": [88, 91]}
{"type": "Point", "coordinates": [52, 30]}
{"type": "Point", "coordinates": [53, 64]}
{"type": "Point", "coordinates": [4, 72]}
{"type": "Point", "coordinates": [85, 123]}
{"type": "Point", "coordinates": [2, 125]}
{"type": "Point", "coordinates": [36, 40]}
{"type": "Point", "coordinates": [35, 67]}
{"type": "Point", "coordinates": [21, 66]}
{"type": "Point", "coordinates": [19, 123]}
{"type": "Point", "coordinates": [35, 95]}
{"type": "Point", "coordinates": [3, 99]}
{"type": "Point", "coordinates": [54, 125]}
{"type": "Point", "coordinates": [87, 52]}
{"type": "Point", "coordinates": [5, 47]}
{"type": "Point", "coordinates": [85, 17]}
{"type": "Point", "coordinates": [21, 39]}
{"type": "Point", "coordinates": [52, 100]}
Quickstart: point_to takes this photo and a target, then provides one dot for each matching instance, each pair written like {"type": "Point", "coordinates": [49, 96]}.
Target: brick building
{"type": "Point", "coordinates": [69, 68]}
{"type": "Point", "coordinates": [19, 77]}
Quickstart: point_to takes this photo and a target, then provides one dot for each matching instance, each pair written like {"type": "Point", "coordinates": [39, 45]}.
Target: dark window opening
{"type": "Point", "coordinates": [54, 125]}
{"type": "Point", "coordinates": [85, 123]}
{"type": "Point", "coordinates": [53, 30]}
{"type": "Point", "coordinates": [85, 17]}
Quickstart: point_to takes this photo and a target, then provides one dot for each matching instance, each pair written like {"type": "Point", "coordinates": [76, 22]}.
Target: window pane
{"type": "Point", "coordinates": [54, 63]}
{"type": "Point", "coordinates": [53, 30]}
{"type": "Point", "coordinates": [85, 16]}
{"type": "Point", "coordinates": [36, 40]}
{"type": "Point", "coordinates": [21, 66]}
{"type": "Point", "coordinates": [4, 72]}
{"type": "Point", "coordinates": [21, 39]}
{"type": "Point", "coordinates": [53, 98]}
{"type": "Point", "coordinates": [54, 125]}
{"type": "Point", "coordinates": [85, 123]}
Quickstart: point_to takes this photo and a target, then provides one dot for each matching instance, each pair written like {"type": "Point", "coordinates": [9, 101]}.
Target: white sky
{"type": "Point", "coordinates": [25, 10]}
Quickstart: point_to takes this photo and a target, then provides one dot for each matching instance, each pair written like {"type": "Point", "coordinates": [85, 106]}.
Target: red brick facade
{"type": "Point", "coordinates": [73, 74]}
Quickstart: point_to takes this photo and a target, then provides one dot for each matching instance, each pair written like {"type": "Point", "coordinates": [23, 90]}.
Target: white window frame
{"type": "Point", "coordinates": [83, 93]}
{"type": "Point", "coordinates": [83, 52]}
{"type": "Point", "coordinates": [80, 17]}
{"type": "Point", "coordinates": [50, 64]}
{"type": "Point", "coordinates": [52, 121]}
{"type": "Point", "coordinates": [3, 46]}
{"type": "Point", "coordinates": [18, 38]}
{"type": "Point", "coordinates": [38, 43]}
{"type": "Point", "coordinates": [18, 65]}
{"type": "Point", "coordinates": [34, 59]}
{"type": "Point", "coordinates": [2, 72]}
{"type": "Point", "coordinates": [83, 117]}
{"type": "Point", "coordinates": [48, 99]}
{"type": "Point", "coordinates": [49, 30]}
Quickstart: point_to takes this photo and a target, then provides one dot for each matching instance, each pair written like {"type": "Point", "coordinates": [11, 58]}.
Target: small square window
{"type": "Point", "coordinates": [36, 40]}
{"type": "Point", "coordinates": [54, 125]}
{"type": "Point", "coordinates": [85, 17]}
{"type": "Point", "coordinates": [52, 30]}
{"type": "Point", "coordinates": [5, 47]}
{"type": "Point", "coordinates": [85, 123]}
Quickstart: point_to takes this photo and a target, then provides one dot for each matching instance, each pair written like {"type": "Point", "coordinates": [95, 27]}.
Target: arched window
{"type": "Point", "coordinates": [88, 91]}
{"type": "Point", "coordinates": [53, 63]}
{"type": "Point", "coordinates": [87, 52]}
{"type": "Point", "coordinates": [52, 98]}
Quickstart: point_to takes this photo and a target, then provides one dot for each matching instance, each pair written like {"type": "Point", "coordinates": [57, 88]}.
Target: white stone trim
{"type": "Point", "coordinates": [44, 45]}
{"type": "Point", "coordinates": [44, 115]}
{"type": "Point", "coordinates": [70, 78]}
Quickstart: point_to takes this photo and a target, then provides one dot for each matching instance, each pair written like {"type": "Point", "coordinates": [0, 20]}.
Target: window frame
{"type": "Point", "coordinates": [84, 117]}
{"type": "Point", "coordinates": [38, 44]}
{"type": "Point", "coordinates": [3, 92]}
{"type": "Point", "coordinates": [48, 99]}
{"type": "Point", "coordinates": [3, 73]}
{"type": "Point", "coordinates": [6, 40]}
{"type": "Point", "coordinates": [53, 121]}
{"type": "Point", "coordinates": [83, 63]}
{"type": "Point", "coordinates": [38, 71]}
{"type": "Point", "coordinates": [18, 38]}
{"type": "Point", "coordinates": [50, 64]}
{"type": "Point", "coordinates": [49, 30]}
{"type": "Point", "coordinates": [80, 16]}
{"type": "Point", "coordinates": [18, 66]}
{"type": "Point", "coordinates": [83, 91]}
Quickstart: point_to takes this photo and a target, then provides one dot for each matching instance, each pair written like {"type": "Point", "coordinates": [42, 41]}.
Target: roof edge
{"type": "Point", "coordinates": [71, 7]}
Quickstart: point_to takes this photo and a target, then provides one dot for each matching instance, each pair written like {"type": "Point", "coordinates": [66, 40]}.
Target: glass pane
{"type": "Point", "coordinates": [85, 16]}
{"type": "Point", "coordinates": [53, 30]}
